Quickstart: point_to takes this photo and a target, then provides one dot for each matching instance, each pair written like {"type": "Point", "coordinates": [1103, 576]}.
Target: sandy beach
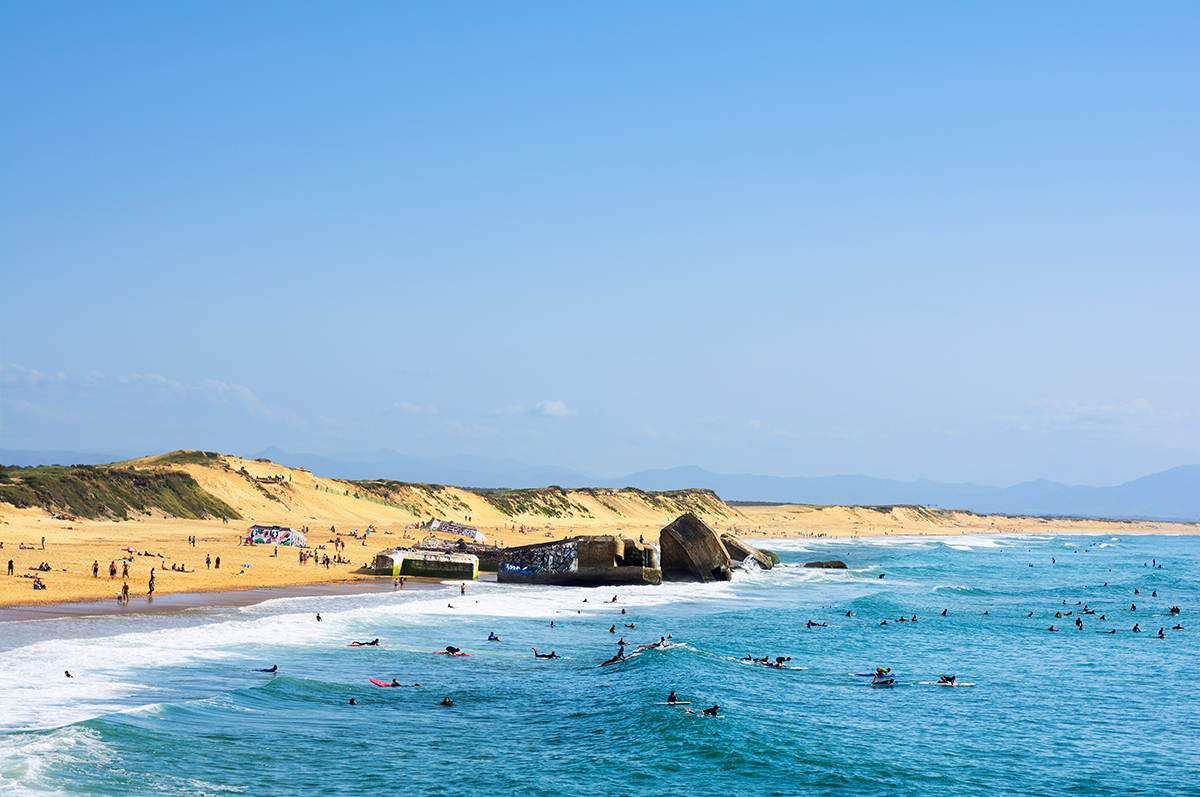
{"type": "Point", "coordinates": [263, 492]}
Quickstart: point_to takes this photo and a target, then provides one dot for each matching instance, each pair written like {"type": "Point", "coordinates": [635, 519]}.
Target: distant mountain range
{"type": "Point", "coordinates": [1170, 495]}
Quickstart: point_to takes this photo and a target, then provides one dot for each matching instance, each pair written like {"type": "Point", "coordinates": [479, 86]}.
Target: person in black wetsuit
{"type": "Point", "coordinates": [550, 655]}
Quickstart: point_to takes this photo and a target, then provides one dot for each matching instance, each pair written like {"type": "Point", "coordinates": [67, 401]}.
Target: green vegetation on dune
{"type": "Point", "coordinates": [180, 457]}
{"type": "Point", "coordinates": [545, 501]}
{"type": "Point", "coordinates": [98, 492]}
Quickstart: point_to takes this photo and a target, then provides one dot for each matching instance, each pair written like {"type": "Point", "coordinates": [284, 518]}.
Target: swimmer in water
{"type": "Point", "coordinates": [68, 674]}
{"type": "Point", "coordinates": [353, 702]}
{"type": "Point", "coordinates": [492, 637]}
{"type": "Point", "coordinates": [446, 701]}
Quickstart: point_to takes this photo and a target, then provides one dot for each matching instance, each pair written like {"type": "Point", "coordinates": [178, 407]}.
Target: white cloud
{"type": "Point", "coordinates": [428, 409]}
{"type": "Point", "coordinates": [555, 409]}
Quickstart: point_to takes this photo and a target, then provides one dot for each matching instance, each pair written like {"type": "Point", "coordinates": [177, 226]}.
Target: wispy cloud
{"type": "Point", "coordinates": [428, 409]}
{"type": "Point", "coordinates": [549, 408]}
{"type": "Point", "coordinates": [554, 409]}
{"type": "Point", "coordinates": [1052, 415]}
{"type": "Point", "coordinates": [511, 409]}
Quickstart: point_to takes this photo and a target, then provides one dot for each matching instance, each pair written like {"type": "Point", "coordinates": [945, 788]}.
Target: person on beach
{"type": "Point", "coordinates": [96, 569]}
{"type": "Point", "coordinates": [112, 570]}
{"type": "Point", "coordinates": [10, 567]}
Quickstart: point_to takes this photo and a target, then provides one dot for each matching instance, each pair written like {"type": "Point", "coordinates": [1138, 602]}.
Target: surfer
{"type": "Point", "coordinates": [397, 683]}
{"type": "Point", "coordinates": [357, 644]}
{"type": "Point", "coordinates": [550, 655]}
{"type": "Point", "coordinates": [612, 630]}
{"type": "Point", "coordinates": [68, 674]}
{"type": "Point", "coordinates": [948, 680]}
{"type": "Point", "coordinates": [274, 668]}
{"type": "Point", "coordinates": [671, 699]}
{"type": "Point", "coordinates": [453, 651]}
{"type": "Point", "coordinates": [1136, 628]}
{"type": "Point", "coordinates": [446, 701]}
{"type": "Point", "coordinates": [353, 702]}
{"type": "Point", "coordinates": [710, 712]}
{"type": "Point", "coordinates": [945, 610]}
{"type": "Point", "coordinates": [1052, 628]}
{"type": "Point", "coordinates": [492, 637]}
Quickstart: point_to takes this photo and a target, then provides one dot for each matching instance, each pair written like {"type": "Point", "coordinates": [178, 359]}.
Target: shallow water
{"type": "Point", "coordinates": [168, 704]}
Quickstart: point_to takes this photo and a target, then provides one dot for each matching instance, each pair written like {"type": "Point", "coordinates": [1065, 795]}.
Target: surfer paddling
{"type": "Point", "coordinates": [550, 655]}
{"type": "Point", "coordinates": [371, 644]}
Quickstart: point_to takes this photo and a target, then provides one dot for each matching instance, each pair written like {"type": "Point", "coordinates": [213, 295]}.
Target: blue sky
{"type": "Point", "coordinates": [953, 241]}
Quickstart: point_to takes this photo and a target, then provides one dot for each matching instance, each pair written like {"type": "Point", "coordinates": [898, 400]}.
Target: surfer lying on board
{"type": "Point", "coordinates": [397, 683]}
{"type": "Point", "coordinates": [947, 679]}
{"type": "Point", "coordinates": [708, 712]}
{"type": "Point", "coordinates": [550, 655]}
{"type": "Point", "coordinates": [453, 651]}
{"type": "Point", "coordinates": [357, 644]}
{"type": "Point", "coordinates": [272, 669]}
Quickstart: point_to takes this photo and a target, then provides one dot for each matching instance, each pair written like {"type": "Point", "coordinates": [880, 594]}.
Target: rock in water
{"type": "Point", "coordinates": [832, 563]}
{"type": "Point", "coordinates": [740, 551]}
{"type": "Point", "coordinates": [691, 551]}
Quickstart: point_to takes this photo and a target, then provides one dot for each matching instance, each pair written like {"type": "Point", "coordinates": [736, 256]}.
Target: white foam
{"type": "Point", "coordinates": [25, 758]}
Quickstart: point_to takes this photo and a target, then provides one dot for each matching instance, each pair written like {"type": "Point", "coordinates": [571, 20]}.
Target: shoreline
{"type": "Point", "coordinates": [167, 603]}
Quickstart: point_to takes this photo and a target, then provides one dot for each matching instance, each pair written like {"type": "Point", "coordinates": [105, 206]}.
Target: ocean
{"type": "Point", "coordinates": [171, 703]}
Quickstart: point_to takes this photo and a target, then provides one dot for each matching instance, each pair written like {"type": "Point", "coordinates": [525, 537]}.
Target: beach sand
{"type": "Point", "coordinates": [300, 499]}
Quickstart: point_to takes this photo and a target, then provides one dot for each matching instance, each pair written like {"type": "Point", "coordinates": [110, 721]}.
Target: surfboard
{"type": "Point", "coordinates": [368, 646]}
{"type": "Point", "coordinates": [939, 683]}
{"type": "Point", "coordinates": [378, 682]}
{"type": "Point", "coordinates": [676, 703]}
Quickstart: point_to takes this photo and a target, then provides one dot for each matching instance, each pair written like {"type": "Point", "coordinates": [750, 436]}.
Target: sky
{"type": "Point", "coordinates": [905, 240]}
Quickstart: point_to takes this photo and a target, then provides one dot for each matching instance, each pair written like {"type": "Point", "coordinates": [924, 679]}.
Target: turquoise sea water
{"type": "Point", "coordinates": [167, 704]}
